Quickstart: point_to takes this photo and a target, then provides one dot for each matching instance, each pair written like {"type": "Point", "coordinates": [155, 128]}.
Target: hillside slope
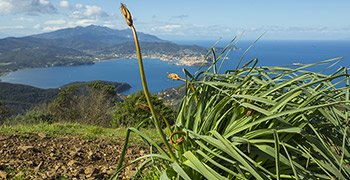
{"type": "Point", "coordinates": [18, 97]}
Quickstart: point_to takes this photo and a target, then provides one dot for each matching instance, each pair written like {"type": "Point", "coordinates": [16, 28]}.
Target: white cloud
{"type": "Point", "coordinates": [31, 7]}
{"type": "Point", "coordinates": [37, 27]}
{"type": "Point", "coordinates": [58, 21]}
{"type": "Point", "coordinates": [48, 29]}
{"type": "Point", "coordinates": [24, 19]}
{"type": "Point", "coordinates": [182, 16]}
{"type": "Point", "coordinates": [89, 12]}
{"type": "Point", "coordinates": [5, 7]}
{"type": "Point", "coordinates": [44, 2]}
{"type": "Point", "coordinates": [61, 24]}
{"type": "Point", "coordinates": [109, 24]}
{"type": "Point", "coordinates": [64, 5]}
{"type": "Point", "coordinates": [12, 27]}
{"type": "Point", "coordinates": [289, 29]}
{"type": "Point", "coordinates": [79, 6]}
{"type": "Point", "coordinates": [83, 22]}
{"type": "Point", "coordinates": [166, 28]}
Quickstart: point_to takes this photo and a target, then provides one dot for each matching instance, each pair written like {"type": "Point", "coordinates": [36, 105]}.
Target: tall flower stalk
{"type": "Point", "coordinates": [128, 18]}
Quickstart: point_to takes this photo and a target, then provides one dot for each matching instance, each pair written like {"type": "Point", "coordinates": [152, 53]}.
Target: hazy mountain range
{"type": "Point", "coordinates": [98, 34]}
{"type": "Point", "coordinates": [82, 45]}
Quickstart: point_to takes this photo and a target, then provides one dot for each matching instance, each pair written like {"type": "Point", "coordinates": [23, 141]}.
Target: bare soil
{"type": "Point", "coordinates": [37, 156]}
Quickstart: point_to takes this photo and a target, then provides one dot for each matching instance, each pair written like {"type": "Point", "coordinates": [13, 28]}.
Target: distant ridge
{"type": "Point", "coordinates": [98, 33]}
{"type": "Point", "coordinates": [87, 45]}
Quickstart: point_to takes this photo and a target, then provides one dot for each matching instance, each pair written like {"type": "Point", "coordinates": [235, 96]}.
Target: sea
{"type": "Point", "coordinates": [268, 53]}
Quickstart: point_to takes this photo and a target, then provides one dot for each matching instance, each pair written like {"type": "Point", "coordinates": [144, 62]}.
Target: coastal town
{"type": "Point", "coordinates": [179, 56]}
{"type": "Point", "coordinates": [179, 60]}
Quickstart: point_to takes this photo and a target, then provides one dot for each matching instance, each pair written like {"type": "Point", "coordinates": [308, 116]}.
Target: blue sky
{"type": "Point", "coordinates": [185, 19]}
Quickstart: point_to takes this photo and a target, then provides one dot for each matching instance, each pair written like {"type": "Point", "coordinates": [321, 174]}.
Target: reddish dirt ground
{"type": "Point", "coordinates": [37, 156]}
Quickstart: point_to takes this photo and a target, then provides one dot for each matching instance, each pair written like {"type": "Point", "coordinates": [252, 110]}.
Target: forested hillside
{"type": "Point", "coordinates": [18, 98]}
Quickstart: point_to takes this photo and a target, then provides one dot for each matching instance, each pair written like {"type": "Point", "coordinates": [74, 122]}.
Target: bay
{"type": "Point", "coordinates": [268, 52]}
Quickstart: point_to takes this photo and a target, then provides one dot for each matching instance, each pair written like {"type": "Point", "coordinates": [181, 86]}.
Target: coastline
{"type": "Point", "coordinates": [178, 61]}
{"type": "Point", "coordinates": [188, 60]}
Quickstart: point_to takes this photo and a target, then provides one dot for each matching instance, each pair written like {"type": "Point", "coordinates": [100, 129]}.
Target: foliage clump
{"type": "Point", "coordinates": [92, 105]}
{"type": "Point", "coordinates": [130, 113]}
{"type": "Point", "coordinates": [257, 123]}
{"type": "Point", "coordinates": [4, 113]}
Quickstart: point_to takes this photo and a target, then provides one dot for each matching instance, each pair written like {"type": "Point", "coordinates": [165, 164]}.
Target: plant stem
{"type": "Point", "coordinates": [145, 88]}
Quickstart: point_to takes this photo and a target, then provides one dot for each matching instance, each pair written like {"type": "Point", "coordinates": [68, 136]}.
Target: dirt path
{"type": "Point", "coordinates": [36, 156]}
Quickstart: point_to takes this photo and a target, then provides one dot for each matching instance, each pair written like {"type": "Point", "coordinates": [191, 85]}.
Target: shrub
{"type": "Point", "coordinates": [93, 107]}
{"type": "Point", "coordinates": [36, 115]}
{"type": "Point", "coordinates": [4, 113]}
{"type": "Point", "coordinates": [130, 112]}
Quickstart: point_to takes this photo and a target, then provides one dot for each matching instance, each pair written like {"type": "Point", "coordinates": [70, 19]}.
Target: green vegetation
{"type": "Point", "coordinates": [93, 103]}
{"type": "Point", "coordinates": [130, 112]}
{"type": "Point", "coordinates": [259, 123]}
{"type": "Point", "coordinates": [5, 64]}
{"type": "Point", "coordinates": [173, 96]}
{"type": "Point", "coordinates": [18, 98]}
{"type": "Point", "coordinates": [21, 56]}
{"type": "Point", "coordinates": [87, 131]}
{"type": "Point", "coordinates": [252, 123]}
{"type": "Point", "coordinates": [4, 113]}
{"type": "Point", "coordinates": [246, 123]}
{"type": "Point", "coordinates": [93, 107]}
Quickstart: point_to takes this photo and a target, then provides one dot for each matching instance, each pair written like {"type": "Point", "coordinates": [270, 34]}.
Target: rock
{"type": "Point", "coordinates": [104, 169]}
{"type": "Point", "coordinates": [30, 163]}
{"type": "Point", "coordinates": [93, 156]}
{"type": "Point", "coordinates": [75, 172]}
{"type": "Point", "coordinates": [59, 165]}
{"type": "Point", "coordinates": [3, 138]}
{"type": "Point", "coordinates": [73, 162]}
{"type": "Point", "coordinates": [25, 148]}
{"type": "Point", "coordinates": [73, 153]}
{"type": "Point", "coordinates": [43, 175]}
{"type": "Point", "coordinates": [89, 171]}
{"type": "Point", "coordinates": [42, 136]}
{"type": "Point", "coordinates": [19, 174]}
{"type": "Point", "coordinates": [36, 169]}
{"type": "Point", "coordinates": [111, 172]}
{"type": "Point", "coordinates": [3, 174]}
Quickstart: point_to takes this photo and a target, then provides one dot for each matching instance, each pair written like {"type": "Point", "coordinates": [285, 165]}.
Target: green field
{"type": "Point", "coordinates": [5, 64]}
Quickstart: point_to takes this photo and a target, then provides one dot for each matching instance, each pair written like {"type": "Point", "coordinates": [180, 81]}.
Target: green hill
{"type": "Point", "coordinates": [18, 97]}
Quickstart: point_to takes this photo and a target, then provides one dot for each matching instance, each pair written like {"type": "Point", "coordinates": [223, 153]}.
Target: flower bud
{"type": "Point", "coordinates": [127, 16]}
{"type": "Point", "coordinates": [174, 76]}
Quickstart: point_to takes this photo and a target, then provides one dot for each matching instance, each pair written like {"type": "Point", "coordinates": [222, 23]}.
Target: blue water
{"type": "Point", "coordinates": [269, 53]}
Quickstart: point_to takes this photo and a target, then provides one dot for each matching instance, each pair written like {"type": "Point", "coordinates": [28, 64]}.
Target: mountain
{"type": "Point", "coordinates": [87, 45]}
{"type": "Point", "coordinates": [29, 52]}
{"type": "Point", "coordinates": [98, 33]}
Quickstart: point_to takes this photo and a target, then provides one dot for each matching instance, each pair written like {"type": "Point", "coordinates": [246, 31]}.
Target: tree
{"type": "Point", "coordinates": [64, 107]}
{"type": "Point", "coordinates": [3, 113]}
{"type": "Point", "coordinates": [132, 110]}
{"type": "Point", "coordinates": [93, 107]}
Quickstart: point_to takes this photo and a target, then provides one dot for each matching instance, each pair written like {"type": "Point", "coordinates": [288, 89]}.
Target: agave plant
{"type": "Point", "coordinates": [255, 123]}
